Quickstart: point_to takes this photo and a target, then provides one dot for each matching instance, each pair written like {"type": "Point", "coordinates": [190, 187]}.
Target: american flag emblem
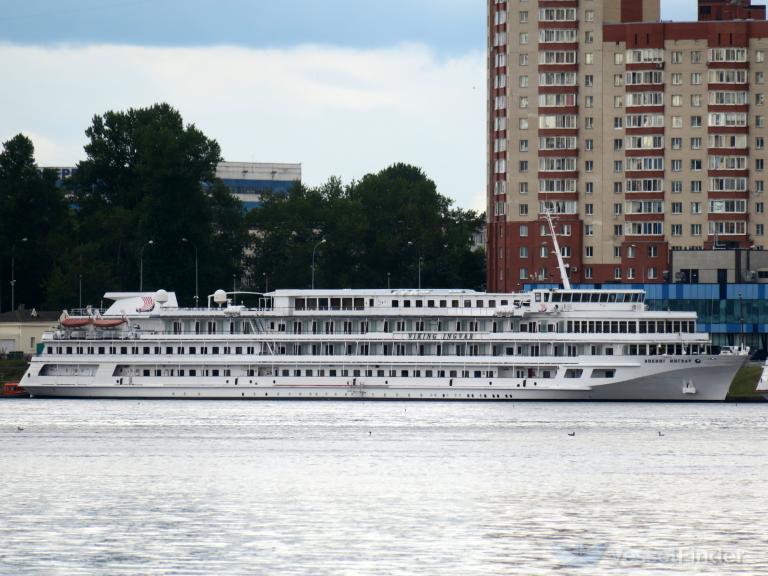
{"type": "Point", "coordinates": [148, 304]}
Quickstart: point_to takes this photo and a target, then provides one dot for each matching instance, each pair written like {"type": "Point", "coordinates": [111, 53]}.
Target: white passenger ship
{"type": "Point", "coordinates": [559, 344]}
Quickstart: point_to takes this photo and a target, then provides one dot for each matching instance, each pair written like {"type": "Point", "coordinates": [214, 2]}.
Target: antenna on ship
{"type": "Point", "coordinates": [560, 263]}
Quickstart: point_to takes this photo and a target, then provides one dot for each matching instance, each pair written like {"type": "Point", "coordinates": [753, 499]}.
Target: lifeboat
{"type": "Point", "coordinates": [76, 321]}
{"type": "Point", "coordinates": [13, 390]}
{"type": "Point", "coordinates": [108, 322]}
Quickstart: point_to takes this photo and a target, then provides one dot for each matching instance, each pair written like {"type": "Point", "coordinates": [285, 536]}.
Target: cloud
{"type": "Point", "coordinates": [338, 111]}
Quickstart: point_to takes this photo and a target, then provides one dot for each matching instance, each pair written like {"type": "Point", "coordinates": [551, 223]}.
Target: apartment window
{"type": "Point", "coordinates": [677, 207]}
{"type": "Point", "coordinates": [759, 229]}
{"type": "Point", "coordinates": [676, 57]}
{"type": "Point", "coordinates": [677, 100]}
{"type": "Point", "coordinates": [523, 81]}
{"type": "Point", "coordinates": [618, 58]}
{"type": "Point", "coordinates": [653, 251]}
{"type": "Point", "coordinates": [696, 100]}
{"type": "Point", "coordinates": [696, 122]}
{"type": "Point", "coordinates": [589, 230]}
{"type": "Point", "coordinates": [677, 186]}
{"type": "Point", "coordinates": [696, 57]}
{"type": "Point", "coordinates": [589, 144]}
{"type": "Point", "coordinates": [589, 37]}
{"type": "Point", "coordinates": [523, 17]}
{"type": "Point", "coordinates": [589, 80]}
{"type": "Point", "coordinates": [695, 207]}
{"type": "Point", "coordinates": [589, 209]}
{"type": "Point", "coordinates": [677, 143]}
{"type": "Point", "coordinates": [589, 58]}
{"type": "Point", "coordinates": [523, 209]}
{"type": "Point", "coordinates": [589, 165]}
{"type": "Point", "coordinates": [696, 186]}
{"type": "Point", "coordinates": [523, 145]}
{"type": "Point", "coordinates": [589, 122]}
{"type": "Point", "coordinates": [696, 143]}
{"type": "Point", "coordinates": [617, 166]}
{"type": "Point", "coordinates": [617, 209]}
{"type": "Point", "coordinates": [759, 56]}
{"type": "Point", "coordinates": [677, 79]}
{"type": "Point", "coordinates": [618, 143]}
{"type": "Point", "coordinates": [696, 165]}
{"type": "Point", "coordinates": [523, 38]}
{"type": "Point", "coordinates": [618, 122]}
{"type": "Point", "coordinates": [695, 78]}
{"type": "Point", "coordinates": [523, 124]}
{"type": "Point", "coordinates": [618, 230]}
{"type": "Point", "coordinates": [522, 188]}
{"type": "Point", "coordinates": [618, 79]}
{"type": "Point", "coordinates": [677, 229]}
{"type": "Point", "coordinates": [759, 121]}
{"type": "Point", "coordinates": [523, 101]}
{"type": "Point", "coordinates": [677, 165]}
{"type": "Point", "coordinates": [617, 251]}
{"type": "Point", "coordinates": [589, 251]}
{"type": "Point", "coordinates": [695, 229]}
{"type": "Point", "coordinates": [523, 59]}
{"type": "Point", "coordinates": [523, 230]}
{"type": "Point", "coordinates": [618, 187]}
{"type": "Point", "coordinates": [617, 273]}
{"type": "Point", "coordinates": [590, 187]}
{"type": "Point", "coordinates": [759, 207]}
{"type": "Point", "coordinates": [523, 273]}
{"type": "Point", "coordinates": [759, 186]}
{"type": "Point", "coordinates": [759, 143]}
{"type": "Point", "coordinates": [759, 78]}
{"type": "Point", "coordinates": [677, 121]}
{"type": "Point", "coordinates": [523, 165]}
{"type": "Point", "coordinates": [589, 101]}
{"type": "Point", "coordinates": [618, 101]}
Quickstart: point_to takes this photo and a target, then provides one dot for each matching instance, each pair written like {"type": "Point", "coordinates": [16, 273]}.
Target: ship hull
{"type": "Point", "coordinates": [708, 380]}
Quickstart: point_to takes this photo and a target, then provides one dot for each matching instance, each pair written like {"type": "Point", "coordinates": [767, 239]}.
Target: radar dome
{"type": "Point", "coordinates": [161, 296]}
{"type": "Point", "coordinates": [220, 297]}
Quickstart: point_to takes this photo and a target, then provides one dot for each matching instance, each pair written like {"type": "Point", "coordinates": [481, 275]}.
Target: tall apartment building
{"type": "Point", "coordinates": [642, 136]}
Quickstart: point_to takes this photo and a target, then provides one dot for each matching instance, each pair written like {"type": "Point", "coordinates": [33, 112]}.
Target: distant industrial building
{"type": "Point", "coordinates": [249, 180]}
{"type": "Point", "coordinates": [246, 180]}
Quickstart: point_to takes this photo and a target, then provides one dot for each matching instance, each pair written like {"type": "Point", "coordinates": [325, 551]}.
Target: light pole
{"type": "Point", "coordinates": [266, 282]}
{"type": "Point", "coordinates": [141, 265]}
{"type": "Point", "coordinates": [13, 274]}
{"type": "Point", "coordinates": [80, 290]}
{"type": "Point", "coordinates": [234, 289]}
{"type": "Point", "coordinates": [388, 283]}
{"type": "Point", "coordinates": [197, 291]}
{"type": "Point", "coordinates": [313, 261]}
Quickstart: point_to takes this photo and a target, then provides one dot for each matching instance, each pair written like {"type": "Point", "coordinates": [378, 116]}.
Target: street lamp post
{"type": "Point", "coordinates": [141, 265]}
{"type": "Point", "coordinates": [313, 261]}
{"type": "Point", "coordinates": [197, 291]}
{"type": "Point", "coordinates": [266, 282]}
{"type": "Point", "coordinates": [80, 290]}
{"type": "Point", "coordinates": [13, 274]}
{"type": "Point", "coordinates": [419, 265]}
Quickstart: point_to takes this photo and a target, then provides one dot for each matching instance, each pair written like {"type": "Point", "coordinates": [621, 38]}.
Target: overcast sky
{"type": "Point", "coordinates": [345, 87]}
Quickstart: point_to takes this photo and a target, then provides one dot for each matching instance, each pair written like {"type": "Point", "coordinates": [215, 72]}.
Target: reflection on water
{"type": "Point", "coordinates": [128, 487]}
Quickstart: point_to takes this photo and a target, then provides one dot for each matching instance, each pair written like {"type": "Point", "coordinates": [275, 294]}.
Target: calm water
{"type": "Point", "coordinates": [166, 487]}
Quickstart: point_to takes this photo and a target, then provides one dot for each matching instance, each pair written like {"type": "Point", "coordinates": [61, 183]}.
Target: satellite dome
{"type": "Point", "coordinates": [161, 296]}
{"type": "Point", "coordinates": [220, 297]}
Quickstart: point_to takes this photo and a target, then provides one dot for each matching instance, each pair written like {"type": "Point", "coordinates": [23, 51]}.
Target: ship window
{"type": "Point", "coordinates": [441, 373]}
{"type": "Point", "coordinates": [322, 303]}
{"type": "Point", "coordinates": [359, 303]}
{"type": "Point", "coordinates": [419, 303]}
{"type": "Point", "coordinates": [491, 303]}
{"type": "Point", "coordinates": [158, 372]}
{"type": "Point", "coordinates": [346, 303]}
{"type": "Point", "coordinates": [335, 303]}
{"type": "Point", "coordinates": [428, 373]}
{"type": "Point", "coordinates": [407, 303]}
{"type": "Point", "coordinates": [146, 372]}
{"type": "Point", "coordinates": [158, 350]}
{"type": "Point", "coordinates": [574, 373]}
{"type": "Point", "coordinates": [238, 349]}
{"type": "Point", "coordinates": [214, 350]}
{"type": "Point", "coordinates": [603, 373]}
{"type": "Point", "coordinates": [101, 350]}
{"type": "Point", "coordinates": [454, 303]}
{"type": "Point", "coordinates": [299, 303]}
{"type": "Point", "coordinates": [395, 303]}
{"type": "Point", "coordinates": [452, 373]}
{"type": "Point", "coordinates": [181, 372]}
{"type": "Point", "coordinates": [179, 350]}
{"type": "Point", "coordinates": [443, 303]}
{"type": "Point", "coordinates": [505, 302]}
{"type": "Point", "coordinates": [215, 372]}
{"type": "Point", "coordinates": [478, 374]}
{"type": "Point", "coordinates": [168, 349]}
{"type": "Point", "coordinates": [197, 327]}
{"type": "Point", "coordinates": [311, 303]}
{"type": "Point", "coordinates": [479, 304]}
{"type": "Point", "coordinates": [430, 303]}
{"type": "Point", "coordinates": [192, 372]}
{"type": "Point", "coordinates": [557, 297]}
{"type": "Point", "coordinates": [612, 297]}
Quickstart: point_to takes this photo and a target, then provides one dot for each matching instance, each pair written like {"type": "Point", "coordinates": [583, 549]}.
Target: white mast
{"type": "Point", "coordinates": [560, 263]}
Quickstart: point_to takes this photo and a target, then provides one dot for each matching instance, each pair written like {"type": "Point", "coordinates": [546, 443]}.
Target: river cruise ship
{"type": "Point", "coordinates": [559, 344]}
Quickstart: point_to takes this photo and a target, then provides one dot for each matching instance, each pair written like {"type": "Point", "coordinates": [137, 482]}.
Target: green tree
{"type": "Point", "coordinates": [384, 224]}
{"type": "Point", "coordinates": [34, 223]}
{"type": "Point", "coordinates": [149, 177]}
